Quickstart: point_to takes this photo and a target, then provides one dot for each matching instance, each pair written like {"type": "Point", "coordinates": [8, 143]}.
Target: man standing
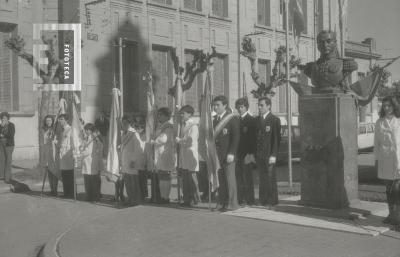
{"type": "Point", "coordinates": [268, 139]}
{"type": "Point", "coordinates": [226, 128]}
{"type": "Point", "coordinates": [66, 157]}
{"type": "Point", "coordinates": [245, 154]}
{"type": "Point", "coordinates": [7, 132]}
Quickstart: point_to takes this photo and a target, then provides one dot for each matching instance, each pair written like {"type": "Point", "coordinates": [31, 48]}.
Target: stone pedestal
{"type": "Point", "coordinates": [328, 127]}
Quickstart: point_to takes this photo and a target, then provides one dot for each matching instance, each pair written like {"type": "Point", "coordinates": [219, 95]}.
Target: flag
{"type": "Point", "coordinates": [77, 134]}
{"type": "Point", "coordinates": [301, 89]}
{"type": "Point", "coordinates": [296, 15]}
{"type": "Point", "coordinates": [178, 102]}
{"type": "Point", "coordinates": [366, 88]}
{"type": "Point", "coordinates": [112, 155]}
{"type": "Point", "coordinates": [151, 109]}
{"type": "Point", "coordinates": [207, 148]}
{"type": "Point", "coordinates": [150, 121]}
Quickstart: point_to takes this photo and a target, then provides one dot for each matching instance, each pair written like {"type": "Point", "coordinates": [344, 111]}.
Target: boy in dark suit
{"type": "Point", "coordinates": [268, 139]}
{"type": "Point", "coordinates": [226, 132]}
{"type": "Point", "coordinates": [245, 153]}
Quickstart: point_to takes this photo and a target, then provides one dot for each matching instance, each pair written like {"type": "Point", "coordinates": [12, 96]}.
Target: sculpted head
{"type": "Point", "coordinates": [326, 41]}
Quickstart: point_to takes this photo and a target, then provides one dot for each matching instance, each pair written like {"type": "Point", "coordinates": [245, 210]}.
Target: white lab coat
{"type": "Point", "coordinates": [132, 153]}
{"type": "Point", "coordinates": [66, 149]}
{"type": "Point", "coordinates": [164, 148]}
{"type": "Point", "coordinates": [188, 147]}
{"type": "Point", "coordinates": [387, 148]}
{"type": "Point", "coordinates": [92, 156]}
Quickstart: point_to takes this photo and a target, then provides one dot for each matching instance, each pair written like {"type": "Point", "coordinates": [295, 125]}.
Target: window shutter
{"type": "Point", "coordinates": [199, 5]}
{"type": "Point", "coordinates": [218, 77]}
{"type": "Point", "coordinates": [162, 72]}
{"type": "Point", "coordinates": [267, 12]}
{"type": "Point", "coordinates": [5, 75]}
{"type": "Point", "coordinates": [225, 8]}
{"type": "Point", "coordinates": [260, 11]}
{"type": "Point", "coordinates": [304, 7]}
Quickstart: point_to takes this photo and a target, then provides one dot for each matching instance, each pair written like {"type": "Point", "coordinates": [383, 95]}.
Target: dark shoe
{"type": "Point", "coordinates": [164, 201]}
{"type": "Point", "coordinates": [389, 220]}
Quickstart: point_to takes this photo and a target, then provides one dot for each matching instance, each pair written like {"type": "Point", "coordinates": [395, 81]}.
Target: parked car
{"type": "Point", "coordinates": [365, 140]}
{"type": "Point", "coordinates": [366, 136]}
{"type": "Point", "coordinates": [296, 143]}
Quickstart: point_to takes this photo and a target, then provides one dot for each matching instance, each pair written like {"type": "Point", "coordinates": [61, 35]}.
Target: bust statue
{"type": "Point", "coordinates": [328, 74]}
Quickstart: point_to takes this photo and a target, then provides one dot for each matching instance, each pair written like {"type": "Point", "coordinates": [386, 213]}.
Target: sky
{"type": "Point", "coordinates": [379, 19]}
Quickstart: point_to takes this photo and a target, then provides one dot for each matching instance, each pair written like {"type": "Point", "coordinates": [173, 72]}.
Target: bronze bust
{"type": "Point", "coordinates": [329, 73]}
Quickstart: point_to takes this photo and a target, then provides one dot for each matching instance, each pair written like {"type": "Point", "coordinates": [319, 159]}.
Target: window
{"type": "Point", "coordinates": [304, 9]}
{"type": "Point", "coordinates": [8, 73]}
{"type": "Point", "coordinates": [192, 95]}
{"type": "Point", "coordinates": [163, 76]}
{"type": "Point", "coordinates": [264, 70]}
{"type": "Point", "coordinates": [282, 99]}
{"type": "Point", "coordinates": [220, 8]}
{"type": "Point", "coordinates": [263, 12]}
{"type": "Point", "coordinates": [221, 76]}
{"type": "Point", "coordinates": [303, 4]}
{"type": "Point", "coordinates": [166, 2]}
{"type": "Point", "coordinates": [195, 5]}
{"type": "Point", "coordinates": [320, 15]}
{"type": "Point", "coordinates": [131, 73]}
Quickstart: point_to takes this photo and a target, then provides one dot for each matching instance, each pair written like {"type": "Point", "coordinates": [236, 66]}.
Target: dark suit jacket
{"type": "Point", "coordinates": [248, 136]}
{"type": "Point", "coordinates": [7, 133]}
{"type": "Point", "coordinates": [227, 140]}
{"type": "Point", "coordinates": [268, 136]}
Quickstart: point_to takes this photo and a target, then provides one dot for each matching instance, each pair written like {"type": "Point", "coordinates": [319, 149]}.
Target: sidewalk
{"type": "Point", "coordinates": [167, 230]}
{"type": "Point", "coordinates": [172, 232]}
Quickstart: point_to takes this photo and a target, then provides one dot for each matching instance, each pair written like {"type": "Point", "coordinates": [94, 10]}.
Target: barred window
{"type": "Point", "coordinates": [8, 71]}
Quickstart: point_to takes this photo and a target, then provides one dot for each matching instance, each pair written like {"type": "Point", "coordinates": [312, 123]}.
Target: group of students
{"type": "Point", "coordinates": [242, 141]}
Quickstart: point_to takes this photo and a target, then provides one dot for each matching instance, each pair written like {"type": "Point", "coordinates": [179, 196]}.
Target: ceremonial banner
{"type": "Point", "coordinates": [112, 155]}
{"type": "Point", "coordinates": [207, 147]}
{"type": "Point", "coordinates": [366, 88]}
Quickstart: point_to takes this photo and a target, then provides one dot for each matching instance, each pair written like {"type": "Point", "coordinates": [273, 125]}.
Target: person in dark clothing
{"type": "Point", "coordinates": [268, 140]}
{"type": "Point", "coordinates": [226, 127]}
{"type": "Point", "coordinates": [102, 124]}
{"type": "Point", "coordinates": [7, 132]}
{"type": "Point", "coordinates": [245, 155]}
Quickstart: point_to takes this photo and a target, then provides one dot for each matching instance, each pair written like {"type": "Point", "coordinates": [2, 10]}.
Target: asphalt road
{"type": "Point", "coordinates": [27, 222]}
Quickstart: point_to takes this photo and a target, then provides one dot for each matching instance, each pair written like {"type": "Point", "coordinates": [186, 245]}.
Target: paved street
{"type": "Point", "coordinates": [28, 222]}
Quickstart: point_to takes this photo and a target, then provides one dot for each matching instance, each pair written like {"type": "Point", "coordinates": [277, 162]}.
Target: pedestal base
{"type": "Point", "coordinates": [328, 127]}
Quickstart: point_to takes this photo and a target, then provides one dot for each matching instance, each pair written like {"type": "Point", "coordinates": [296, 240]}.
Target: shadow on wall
{"type": "Point", "coordinates": [135, 63]}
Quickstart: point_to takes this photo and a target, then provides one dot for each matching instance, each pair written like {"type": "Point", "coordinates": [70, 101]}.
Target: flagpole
{"type": "Point", "coordinates": [288, 97]}
{"type": "Point", "coordinates": [121, 75]}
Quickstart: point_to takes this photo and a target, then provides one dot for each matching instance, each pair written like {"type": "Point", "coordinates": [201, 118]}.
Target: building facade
{"type": "Point", "coordinates": [131, 35]}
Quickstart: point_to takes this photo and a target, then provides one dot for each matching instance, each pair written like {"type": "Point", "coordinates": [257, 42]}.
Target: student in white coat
{"type": "Point", "coordinates": [387, 155]}
{"type": "Point", "coordinates": [165, 153]}
{"type": "Point", "coordinates": [92, 163]}
{"type": "Point", "coordinates": [188, 156]}
{"type": "Point", "coordinates": [132, 161]}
